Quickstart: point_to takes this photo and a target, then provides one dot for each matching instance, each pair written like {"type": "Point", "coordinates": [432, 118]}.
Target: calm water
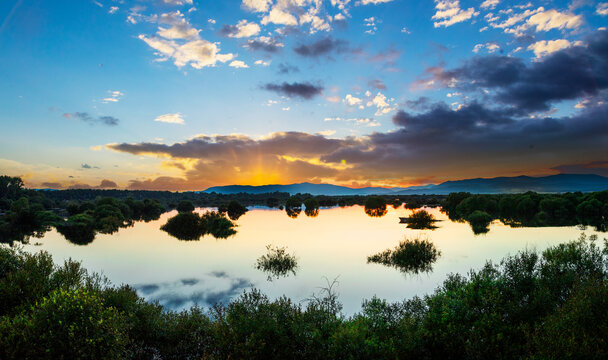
{"type": "Point", "coordinates": [333, 245]}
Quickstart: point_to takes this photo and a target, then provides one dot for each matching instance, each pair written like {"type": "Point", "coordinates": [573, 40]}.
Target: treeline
{"type": "Point", "coordinates": [529, 209]}
{"type": "Point", "coordinates": [549, 305]}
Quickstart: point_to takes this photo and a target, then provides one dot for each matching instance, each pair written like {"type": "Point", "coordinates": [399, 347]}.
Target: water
{"type": "Point", "coordinates": [333, 245]}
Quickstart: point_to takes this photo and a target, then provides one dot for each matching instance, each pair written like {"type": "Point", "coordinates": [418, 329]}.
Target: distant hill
{"type": "Point", "coordinates": [547, 184]}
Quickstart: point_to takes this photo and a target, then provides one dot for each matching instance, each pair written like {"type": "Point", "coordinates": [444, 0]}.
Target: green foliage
{"type": "Point", "coordinates": [185, 206]}
{"type": "Point", "coordinates": [277, 262]}
{"type": "Point", "coordinates": [421, 220]}
{"type": "Point", "coordinates": [375, 206]}
{"type": "Point", "coordinates": [479, 220]}
{"type": "Point", "coordinates": [312, 207]}
{"type": "Point", "coordinates": [234, 209]}
{"type": "Point", "coordinates": [531, 209]}
{"type": "Point", "coordinates": [410, 256]}
{"type": "Point", "coordinates": [529, 306]}
{"type": "Point", "coordinates": [191, 226]}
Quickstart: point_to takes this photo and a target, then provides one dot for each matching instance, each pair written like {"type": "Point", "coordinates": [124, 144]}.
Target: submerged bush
{"type": "Point", "coordinates": [375, 206]}
{"type": "Point", "coordinates": [277, 262]}
{"type": "Point", "coordinates": [421, 220]}
{"type": "Point", "coordinates": [480, 221]}
{"type": "Point", "coordinates": [191, 226]}
{"type": "Point", "coordinates": [234, 209]}
{"type": "Point", "coordinates": [410, 256]}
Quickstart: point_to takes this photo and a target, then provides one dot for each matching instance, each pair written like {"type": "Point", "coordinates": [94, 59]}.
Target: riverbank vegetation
{"type": "Point", "coordinates": [530, 209]}
{"type": "Point", "coordinates": [529, 306]}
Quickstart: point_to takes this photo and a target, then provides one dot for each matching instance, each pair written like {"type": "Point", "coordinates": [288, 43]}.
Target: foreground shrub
{"type": "Point", "coordinates": [68, 324]}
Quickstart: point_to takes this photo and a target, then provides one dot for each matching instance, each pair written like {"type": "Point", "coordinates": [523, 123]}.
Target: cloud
{"type": "Point", "coordinates": [265, 43]}
{"type": "Point", "coordinates": [602, 9]}
{"type": "Point", "coordinates": [351, 100]}
{"type": "Point", "coordinates": [177, 2]}
{"type": "Point", "coordinates": [87, 167]}
{"type": "Point", "coordinates": [376, 84]}
{"type": "Point", "coordinates": [175, 118]}
{"type": "Point", "coordinates": [544, 47]}
{"type": "Point", "coordinates": [359, 121]}
{"type": "Point", "coordinates": [449, 13]}
{"type": "Point", "coordinates": [114, 96]}
{"type": "Point", "coordinates": [107, 184]}
{"type": "Point", "coordinates": [491, 47]}
{"type": "Point", "coordinates": [322, 47]}
{"type": "Point", "coordinates": [489, 4]}
{"type": "Point", "coordinates": [238, 64]}
{"type": "Point", "coordinates": [566, 74]}
{"type": "Point", "coordinates": [262, 63]}
{"type": "Point", "coordinates": [241, 30]}
{"type": "Point", "coordinates": [257, 5]}
{"type": "Point", "coordinates": [182, 43]}
{"type": "Point", "coordinates": [375, 2]}
{"type": "Point", "coordinates": [520, 23]}
{"type": "Point", "coordinates": [113, 9]}
{"type": "Point", "coordinates": [287, 69]}
{"type": "Point", "coordinates": [85, 117]}
{"type": "Point", "coordinates": [303, 90]}
{"type": "Point", "coordinates": [593, 167]}
{"type": "Point", "coordinates": [51, 185]}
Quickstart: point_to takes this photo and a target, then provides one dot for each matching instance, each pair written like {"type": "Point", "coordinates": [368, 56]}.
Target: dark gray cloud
{"type": "Point", "coordinates": [568, 74]}
{"type": "Point", "coordinates": [322, 47]}
{"type": "Point", "coordinates": [287, 69]}
{"type": "Point", "coordinates": [265, 44]}
{"type": "Point", "coordinates": [88, 167]}
{"type": "Point", "coordinates": [593, 167]}
{"type": "Point", "coordinates": [376, 84]}
{"type": "Point", "coordinates": [304, 90]}
{"type": "Point", "coordinates": [85, 117]}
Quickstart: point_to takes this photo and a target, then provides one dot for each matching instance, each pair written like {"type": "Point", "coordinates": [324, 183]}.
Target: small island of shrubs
{"type": "Point", "coordinates": [413, 256]}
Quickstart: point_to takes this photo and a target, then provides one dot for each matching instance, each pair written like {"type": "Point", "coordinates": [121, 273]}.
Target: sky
{"type": "Point", "coordinates": [188, 94]}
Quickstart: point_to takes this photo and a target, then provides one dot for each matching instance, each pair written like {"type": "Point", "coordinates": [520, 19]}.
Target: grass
{"type": "Point", "coordinates": [415, 256]}
{"type": "Point", "coordinates": [277, 262]}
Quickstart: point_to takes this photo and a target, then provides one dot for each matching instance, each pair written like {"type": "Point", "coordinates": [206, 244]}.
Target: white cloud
{"type": "Point", "coordinates": [245, 29]}
{"type": "Point", "coordinates": [370, 23]}
{"type": "Point", "coordinates": [113, 9]}
{"type": "Point", "coordinates": [286, 108]}
{"type": "Point", "coordinates": [171, 118]}
{"type": "Point", "coordinates": [114, 96]}
{"type": "Point", "coordinates": [359, 121]}
{"type": "Point", "coordinates": [262, 62]}
{"type": "Point", "coordinates": [602, 8]}
{"type": "Point", "coordinates": [542, 48]}
{"type": "Point", "coordinates": [351, 100]}
{"type": "Point", "coordinates": [553, 19]}
{"type": "Point", "coordinates": [327, 132]}
{"type": "Point", "coordinates": [490, 46]}
{"type": "Point", "coordinates": [405, 31]}
{"type": "Point", "coordinates": [238, 64]}
{"type": "Point", "coordinates": [375, 2]}
{"type": "Point", "coordinates": [177, 2]}
{"type": "Point", "coordinates": [180, 28]}
{"type": "Point", "coordinates": [382, 104]}
{"type": "Point", "coordinates": [257, 5]}
{"type": "Point", "coordinates": [489, 4]}
{"type": "Point", "coordinates": [211, 21]}
{"type": "Point", "coordinates": [197, 53]}
{"type": "Point", "coordinates": [280, 15]}
{"type": "Point", "coordinates": [339, 17]}
{"type": "Point", "coordinates": [182, 43]}
{"type": "Point", "coordinates": [449, 13]}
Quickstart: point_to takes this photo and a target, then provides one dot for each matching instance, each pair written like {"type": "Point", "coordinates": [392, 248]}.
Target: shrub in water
{"type": "Point", "coordinates": [411, 256]}
{"type": "Point", "coordinates": [277, 262]}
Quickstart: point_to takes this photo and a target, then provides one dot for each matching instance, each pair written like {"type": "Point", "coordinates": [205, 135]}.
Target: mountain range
{"type": "Point", "coordinates": [518, 184]}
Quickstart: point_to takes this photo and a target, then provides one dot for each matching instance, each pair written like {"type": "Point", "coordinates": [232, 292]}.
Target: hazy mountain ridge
{"type": "Point", "coordinates": [553, 183]}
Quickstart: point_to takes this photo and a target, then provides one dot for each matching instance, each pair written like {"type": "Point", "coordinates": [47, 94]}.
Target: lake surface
{"type": "Point", "coordinates": [333, 245]}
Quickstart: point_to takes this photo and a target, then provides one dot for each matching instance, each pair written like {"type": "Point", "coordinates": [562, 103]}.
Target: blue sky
{"type": "Point", "coordinates": [185, 94]}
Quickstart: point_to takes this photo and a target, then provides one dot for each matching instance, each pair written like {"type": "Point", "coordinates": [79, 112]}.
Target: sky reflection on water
{"type": "Point", "coordinates": [334, 244]}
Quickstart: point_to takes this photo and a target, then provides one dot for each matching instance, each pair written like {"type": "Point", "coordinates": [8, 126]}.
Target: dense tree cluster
{"type": "Point", "coordinates": [529, 209]}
